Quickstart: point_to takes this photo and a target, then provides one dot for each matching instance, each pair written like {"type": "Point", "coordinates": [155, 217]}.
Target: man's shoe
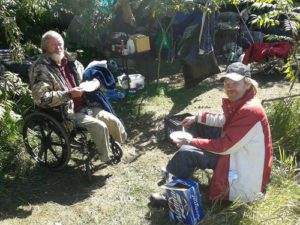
{"type": "Point", "coordinates": [158, 200]}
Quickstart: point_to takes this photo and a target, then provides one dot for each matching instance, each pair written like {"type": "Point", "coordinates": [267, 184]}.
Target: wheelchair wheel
{"type": "Point", "coordinates": [46, 140]}
{"type": "Point", "coordinates": [116, 150]}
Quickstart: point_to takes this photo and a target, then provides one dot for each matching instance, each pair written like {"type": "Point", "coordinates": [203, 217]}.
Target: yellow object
{"type": "Point", "coordinates": [141, 42]}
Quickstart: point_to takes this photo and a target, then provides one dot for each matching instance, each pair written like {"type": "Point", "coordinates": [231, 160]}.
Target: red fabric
{"type": "Point", "coordinates": [268, 155]}
{"type": "Point", "coordinates": [236, 127]}
{"type": "Point", "coordinates": [219, 186]}
{"type": "Point", "coordinates": [258, 51]}
{"type": "Point", "coordinates": [240, 118]}
{"type": "Point", "coordinates": [70, 80]}
{"type": "Point", "coordinates": [203, 118]}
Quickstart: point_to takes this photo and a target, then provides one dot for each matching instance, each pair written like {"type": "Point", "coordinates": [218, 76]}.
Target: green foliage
{"type": "Point", "coordinates": [31, 49]}
{"type": "Point", "coordinates": [15, 100]}
{"type": "Point", "coordinates": [284, 117]}
{"type": "Point", "coordinates": [280, 204]}
{"type": "Point", "coordinates": [9, 137]}
{"type": "Point", "coordinates": [12, 32]}
{"type": "Point", "coordinates": [14, 12]}
{"type": "Point", "coordinates": [288, 163]}
{"type": "Point", "coordinates": [90, 24]}
{"type": "Point", "coordinates": [15, 93]}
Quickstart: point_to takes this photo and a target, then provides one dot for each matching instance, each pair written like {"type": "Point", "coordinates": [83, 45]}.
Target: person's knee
{"type": "Point", "coordinates": [180, 161]}
{"type": "Point", "coordinates": [188, 151]}
{"type": "Point", "coordinates": [179, 165]}
{"type": "Point", "coordinates": [97, 126]}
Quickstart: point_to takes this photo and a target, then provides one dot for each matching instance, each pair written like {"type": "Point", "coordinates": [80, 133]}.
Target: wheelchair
{"type": "Point", "coordinates": [50, 138]}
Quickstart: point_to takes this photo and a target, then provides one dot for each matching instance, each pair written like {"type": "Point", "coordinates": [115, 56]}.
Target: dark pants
{"type": "Point", "coordinates": [189, 158]}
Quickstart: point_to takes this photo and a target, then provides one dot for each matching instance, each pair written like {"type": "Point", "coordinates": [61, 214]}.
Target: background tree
{"type": "Point", "coordinates": [16, 17]}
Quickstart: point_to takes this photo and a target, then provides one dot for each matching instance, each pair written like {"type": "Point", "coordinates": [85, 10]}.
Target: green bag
{"type": "Point", "coordinates": [167, 42]}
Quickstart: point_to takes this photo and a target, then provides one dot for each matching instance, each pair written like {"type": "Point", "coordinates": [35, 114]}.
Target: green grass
{"type": "Point", "coordinates": [119, 194]}
{"type": "Point", "coordinates": [284, 118]}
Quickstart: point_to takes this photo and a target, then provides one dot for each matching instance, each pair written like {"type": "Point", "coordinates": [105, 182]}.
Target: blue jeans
{"type": "Point", "coordinates": [188, 158]}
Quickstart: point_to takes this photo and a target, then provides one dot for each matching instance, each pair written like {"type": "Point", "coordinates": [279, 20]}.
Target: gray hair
{"type": "Point", "coordinates": [253, 84]}
{"type": "Point", "coordinates": [47, 35]}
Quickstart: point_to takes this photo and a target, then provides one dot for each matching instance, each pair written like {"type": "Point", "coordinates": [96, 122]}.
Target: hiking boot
{"type": "Point", "coordinates": [158, 200]}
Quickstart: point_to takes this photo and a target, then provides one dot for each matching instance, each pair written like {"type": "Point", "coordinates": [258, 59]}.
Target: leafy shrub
{"type": "Point", "coordinates": [284, 117]}
{"type": "Point", "coordinates": [15, 101]}
{"type": "Point", "coordinates": [31, 49]}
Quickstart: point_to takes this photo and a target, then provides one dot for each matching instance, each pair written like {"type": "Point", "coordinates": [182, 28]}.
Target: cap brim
{"type": "Point", "coordinates": [233, 76]}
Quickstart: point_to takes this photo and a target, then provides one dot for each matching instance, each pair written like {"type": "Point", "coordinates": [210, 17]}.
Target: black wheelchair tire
{"type": "Point", "coordinates": [117, 151]}
{"type": "Point", "coordinates": [52, 140]}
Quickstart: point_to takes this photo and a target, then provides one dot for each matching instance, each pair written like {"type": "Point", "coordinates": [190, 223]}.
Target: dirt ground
{"type": "Point", "coordinates": [118, 194]}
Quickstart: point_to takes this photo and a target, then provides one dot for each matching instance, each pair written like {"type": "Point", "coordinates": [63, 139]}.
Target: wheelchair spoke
{"type": "Point", "coordinates": [42, 130]}
{"type": "Point", "coordinates": [37, 148]}
{"type": "Point", "coordinates": [50, 133]}
{"type": "Point", "coordinates": [53, 152]}
{"type": "Point", "coordinates": [58, 144]}
{"type": "Point", "coordinates": [46, 155]}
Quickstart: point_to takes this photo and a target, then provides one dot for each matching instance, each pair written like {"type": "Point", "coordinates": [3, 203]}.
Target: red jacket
{"type": "Point", "coordinates": [258, 51]}
{"type": "Point", "coordinates": [245, 147]}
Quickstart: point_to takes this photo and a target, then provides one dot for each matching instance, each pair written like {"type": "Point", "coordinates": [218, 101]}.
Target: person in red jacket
{"type": "Point", "coordinates": [237, 144]}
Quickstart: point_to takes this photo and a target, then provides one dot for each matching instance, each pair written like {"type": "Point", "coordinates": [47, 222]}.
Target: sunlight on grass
{"type": "Point", "coordinates": [119, 194]}
{"type": "Point", "coordinates": [280, 206]}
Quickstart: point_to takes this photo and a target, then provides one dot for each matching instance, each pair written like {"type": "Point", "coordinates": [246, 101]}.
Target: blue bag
{"type": "Point", "coordinates": [184, 201]}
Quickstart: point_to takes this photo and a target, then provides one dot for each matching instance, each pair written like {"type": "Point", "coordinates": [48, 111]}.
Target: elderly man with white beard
{"type": "Point", "coordinates": [54, 80]}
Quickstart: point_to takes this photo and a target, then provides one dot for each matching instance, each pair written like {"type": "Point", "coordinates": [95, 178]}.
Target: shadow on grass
{"type": "Point", "coordinates": [40, 185]}
{"type": "Point", "coordinates": [148, 134]}
{"type": "Point", "coordinates": [183, 97]}
{"type": "Point", "coordinates": [147, 129]}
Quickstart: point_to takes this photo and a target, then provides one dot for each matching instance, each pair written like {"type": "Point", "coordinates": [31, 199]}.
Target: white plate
{"type": "Point", "coordinates": [89, 86]}
{"type": "Point", "coordinates": [176, 135]}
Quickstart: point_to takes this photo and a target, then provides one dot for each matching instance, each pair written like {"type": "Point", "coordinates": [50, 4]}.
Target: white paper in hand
{"type": "Point", "coordinates": [89, 86]}
{"type": "Point", "coordinates": [176, 136]}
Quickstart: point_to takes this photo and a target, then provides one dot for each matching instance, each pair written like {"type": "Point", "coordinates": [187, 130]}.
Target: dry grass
{"type": "Point", "coordinates": [119, 194]}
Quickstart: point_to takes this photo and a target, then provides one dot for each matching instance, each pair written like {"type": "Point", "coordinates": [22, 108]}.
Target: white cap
{"type": "Point", "coordinates": [238, 77]}
{"type": "Point", "coordinates": [234, 76]}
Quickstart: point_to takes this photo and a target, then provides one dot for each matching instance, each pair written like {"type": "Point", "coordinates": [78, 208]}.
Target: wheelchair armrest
{"type": "Point", "coordinates": [57, 112]}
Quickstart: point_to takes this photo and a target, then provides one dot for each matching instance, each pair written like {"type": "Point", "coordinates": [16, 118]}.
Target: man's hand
{"type": "Point", "coordinates": [182, 141]}
{"type": "Point", "coordinates": [76, 92]}
{"type": "Point", "coordinates": [188, 121]}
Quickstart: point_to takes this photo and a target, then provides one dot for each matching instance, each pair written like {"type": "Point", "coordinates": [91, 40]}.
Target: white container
{"type": "Point", "coordinates": [136, 81]}
{"type": "Point", "coordinates": [130, 46]}
{"type": "Point", "coordinates": [125, 51]}
{"type": "Point", "coordinates": [123, 81]}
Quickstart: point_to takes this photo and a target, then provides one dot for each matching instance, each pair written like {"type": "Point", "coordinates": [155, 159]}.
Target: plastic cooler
{"type": "Point", "coordinates": [136, 81]}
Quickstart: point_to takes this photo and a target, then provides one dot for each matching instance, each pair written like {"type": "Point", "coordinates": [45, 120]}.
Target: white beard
{"type": "Point", "coordinates": [57, 57]}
